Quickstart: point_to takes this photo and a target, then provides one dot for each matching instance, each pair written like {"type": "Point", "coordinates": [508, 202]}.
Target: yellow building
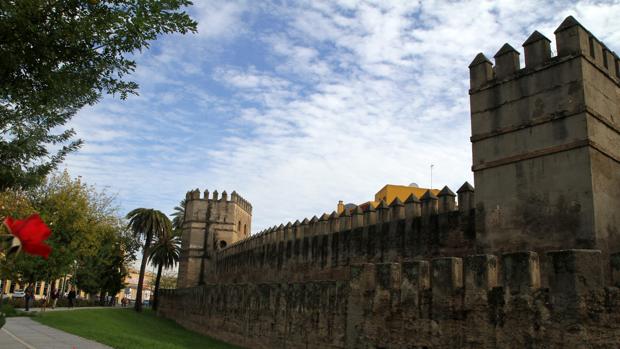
{"type": "Point", "coordinates": [389, 193]}
{"type": "Point", "coordinates": [131, 286]}
{"type": "Point", "coordinates": [41, 288]}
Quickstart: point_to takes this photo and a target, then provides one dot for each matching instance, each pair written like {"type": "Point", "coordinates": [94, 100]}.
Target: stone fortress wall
{"type": "Point", "coordinates": [526, 260]}
{"type": "Point", "coordinates": [480, 301]}
{"type": "Point", "coordinates": [319, 248]}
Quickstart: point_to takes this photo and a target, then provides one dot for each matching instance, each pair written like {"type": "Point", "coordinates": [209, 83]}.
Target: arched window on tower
{"type": "Point", "coordinates": [245, 229]}
{"type": "Point", "coordinates": [239, 227]}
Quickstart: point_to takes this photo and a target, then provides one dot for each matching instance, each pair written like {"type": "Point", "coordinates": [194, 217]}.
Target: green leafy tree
{"type": "Point", "coordinates": [168, 280]}
{"type": "Point", "coordinates": [146, 224]}
{"type": "Point", "coordinates": [164, 254]}
{"type": "Point", "coordinates": [13, 203]}
{"type": "Point", "coordinates": [63, 204]}
{"type": "Point", "coordinates": [83, 221]}
{"type": "Point", "coordinates": [104, 272]}
{"type": "Point", "coordinates": [59, 56]}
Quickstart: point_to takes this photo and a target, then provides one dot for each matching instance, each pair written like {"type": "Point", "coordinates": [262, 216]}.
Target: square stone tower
{"type": "Point", "coordinates": [210, 224]}
{"type": "Point", "coordinates": [546, 144]}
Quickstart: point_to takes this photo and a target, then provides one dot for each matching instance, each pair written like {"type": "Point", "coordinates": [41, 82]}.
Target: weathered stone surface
{"type": "Point", "coordinates": [405, 305]}
{"type": "Point", "coordinates": [546, 147]}
{"type": "Point", "coordinates": [211, 224]}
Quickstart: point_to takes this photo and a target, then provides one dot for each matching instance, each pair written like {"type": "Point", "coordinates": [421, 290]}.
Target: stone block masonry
{"type": "Point", "coordinates": [479, 301]}
{"type": "Point", "coordinates": [530, 258]}
{"type": "Point", "coordinates": [322, 248]}
{"type": "Point", "coordinates": [211, 224]}
{"type": "Point", "coordinates": [546, 144]}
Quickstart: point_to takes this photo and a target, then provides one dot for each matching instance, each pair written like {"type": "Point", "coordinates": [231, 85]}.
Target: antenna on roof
{"type": "Point", "coordinates": [432, 175]}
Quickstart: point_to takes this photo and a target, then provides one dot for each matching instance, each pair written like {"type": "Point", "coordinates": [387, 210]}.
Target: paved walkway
{"type": "Point", "coordinates": [34, 310]}
{"type": "Point", "coordinates": [24, 333]}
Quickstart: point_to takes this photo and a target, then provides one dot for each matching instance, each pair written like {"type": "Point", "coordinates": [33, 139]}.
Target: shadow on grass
{"type": "Point", "coordinates": [125, 328]}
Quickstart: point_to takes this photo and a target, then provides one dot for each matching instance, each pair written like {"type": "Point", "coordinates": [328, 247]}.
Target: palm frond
{"type": "Point", "coordinates": [148, 223]}
{"type": "Point", "coordinates": [166, 251]}
{"type": "Point", "coordinates": [178, 216]}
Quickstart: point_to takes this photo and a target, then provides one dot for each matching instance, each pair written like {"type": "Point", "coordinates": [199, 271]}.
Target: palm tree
{"type": "Point", "coordinates": [147, 223]}
{"type": "Point", "coordinates": [164, 254]}
{"type": "Point", "coordinates": [178, 215]}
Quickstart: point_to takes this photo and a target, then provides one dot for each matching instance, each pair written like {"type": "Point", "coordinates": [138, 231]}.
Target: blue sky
{"type": "Point", "coordinates": [296, 105]}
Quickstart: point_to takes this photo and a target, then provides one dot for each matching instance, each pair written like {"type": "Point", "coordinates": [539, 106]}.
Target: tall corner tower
{"type": "Point", "coordinates": [546, 144]}
{"type": "Point", "coordinates": [210, 224]}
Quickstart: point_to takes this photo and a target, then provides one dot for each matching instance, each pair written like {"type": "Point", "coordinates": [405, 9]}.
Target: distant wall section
{"type": "Point", "coordinates": [211, 223]}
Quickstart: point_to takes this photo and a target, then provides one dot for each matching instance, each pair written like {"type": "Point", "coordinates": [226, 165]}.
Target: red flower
{"type": "Point", "coordinates": [31, 232]}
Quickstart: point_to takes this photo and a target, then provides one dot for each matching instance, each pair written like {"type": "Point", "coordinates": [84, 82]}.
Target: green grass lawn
{"type": "Point", "coordinates": [124, 328]}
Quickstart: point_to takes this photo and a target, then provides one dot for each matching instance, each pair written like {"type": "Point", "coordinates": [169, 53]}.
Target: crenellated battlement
{"type": "Point", "coordinates": [243, 203]}
{"type": "Point", "coordinates": [546, 143]}
{"type": "Point", "coordinates": [215, 197]}
{"type": "Point", "coordinates": [322, 245]}
{"type": "Point", "coordinates": [357, 218]}
{"type": "Point", "coordinates": [572, 40]}
{"type": "Point", "coordinates": [212, 221]}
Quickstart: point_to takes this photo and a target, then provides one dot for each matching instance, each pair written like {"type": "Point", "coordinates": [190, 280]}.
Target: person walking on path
{"type": "Point", "coordinates": [55, 294]}
{"type": "Point", "coordinates": [28, 294]}
{"type": "Point", "coordinates": [71, 297]}
{"type": "Point", "coordinates": [44, 303]}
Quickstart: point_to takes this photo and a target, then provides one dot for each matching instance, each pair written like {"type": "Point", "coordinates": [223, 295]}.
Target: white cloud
{"type": "Point", "coordinates": [249, 79]}
{"type": "Point", "coordinates": [337, 100]}
{"type": "Point", "coordinates": [217, 19]}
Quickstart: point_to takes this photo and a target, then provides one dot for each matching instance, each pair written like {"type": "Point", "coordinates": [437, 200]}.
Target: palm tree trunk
{"type": "Point", "coordinates": [156, 297]}
{"type": "Point", "coordinates": [145, 254]}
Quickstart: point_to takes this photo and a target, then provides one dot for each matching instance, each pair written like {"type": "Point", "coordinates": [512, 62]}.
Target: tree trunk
{"type": "Point", "coordinates": [147, 244]}
{"type": "Point", "coordinates": [156, 296]}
